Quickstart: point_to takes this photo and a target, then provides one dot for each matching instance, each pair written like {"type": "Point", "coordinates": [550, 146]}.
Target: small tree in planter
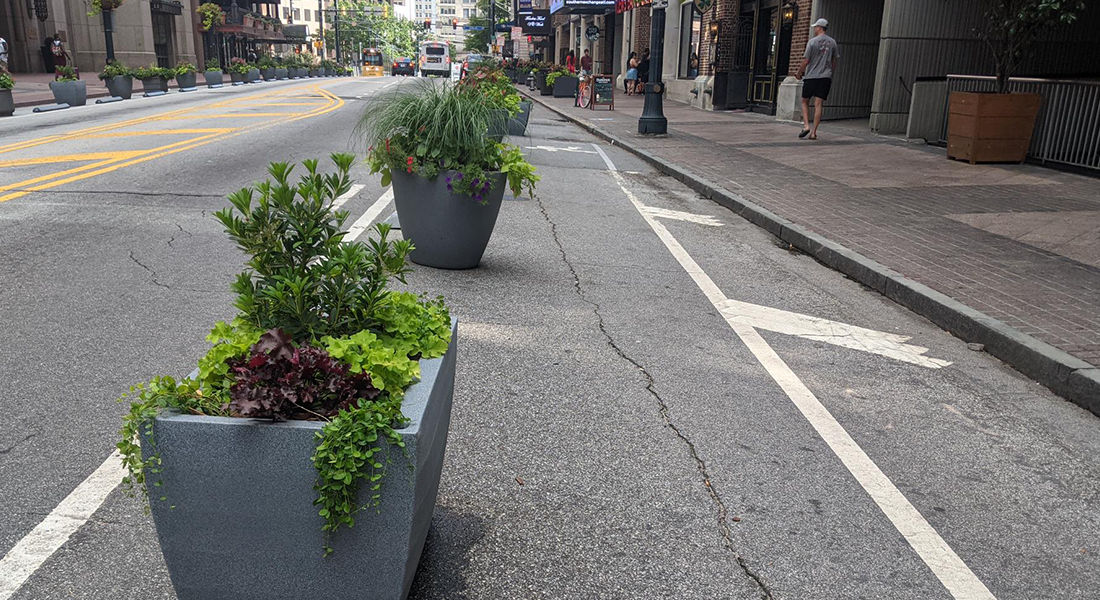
{"type": "Point", "coordinates": [68, 89]}
{"type": "Point", "coordinates": [213, 73]}
{"type": "Point", "coordinates": [185, 75]}
{"type": "Point", "coordinates": [119, 80]}
{"type": "Point", "coordinates": [997, 127]}
{"type": "Point", "coordinates": [448, 175]}
{"type": "Point", "coordinates": [285, 436]}
{"type": "Point", "coordinates": [7, 104]}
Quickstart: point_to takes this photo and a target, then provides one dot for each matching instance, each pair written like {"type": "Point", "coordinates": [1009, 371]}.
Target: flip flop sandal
{"type": "Point", "coordinates": [804, 133]}
{"type": "Point", "coordinates": [813, 137]}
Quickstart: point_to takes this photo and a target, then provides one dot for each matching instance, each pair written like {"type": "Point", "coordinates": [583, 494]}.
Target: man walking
{"type": "Point", "coordinates": [816, 74]}
{"type": "Point", "coordinates": [3, 55]}
{"type": "Point", "coordinates": [586, 63]}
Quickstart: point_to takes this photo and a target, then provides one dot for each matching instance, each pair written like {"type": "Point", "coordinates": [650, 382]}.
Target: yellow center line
{"type": "Point", "coordinates": [44, 160]}
{"type": "Point", "coordinates": [289, 104]}
{"type": "Point", "coordinates": [108, 166]}
{"type": "Point", "coordinates": [226, 116]}
{"type": "Point", "coordinates": [118, 134]}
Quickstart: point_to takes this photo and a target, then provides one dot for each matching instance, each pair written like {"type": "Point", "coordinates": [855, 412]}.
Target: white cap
{"type": "Point", "coordinates": [821, 23]}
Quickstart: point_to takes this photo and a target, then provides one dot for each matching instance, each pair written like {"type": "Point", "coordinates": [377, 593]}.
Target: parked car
{"type": "Point", "coordinates": [404, 66]}
{"type": "Point", "coordinates": [470, 61]}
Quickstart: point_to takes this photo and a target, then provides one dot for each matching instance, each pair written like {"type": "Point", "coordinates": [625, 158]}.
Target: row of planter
{"type": "Point", "coordinates": [561, 86]}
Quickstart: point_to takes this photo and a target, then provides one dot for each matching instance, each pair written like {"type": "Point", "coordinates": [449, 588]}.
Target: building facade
{"type": "Point", "coordinates": [144, 32]}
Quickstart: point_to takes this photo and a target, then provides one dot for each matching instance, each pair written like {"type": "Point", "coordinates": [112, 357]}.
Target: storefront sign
{"type": "Point", "coordinates": [535, 23]}
{"type": "Point", "coordinates": [582, 6]}
{"type": "Point", "coordinates": [702, 6]}
{"type": "Point", "coordinates": [622, 6]}
{"type": "Point", "coordinates": [592, 33]}
{"type": "Point", "coordinates": [603, 91]}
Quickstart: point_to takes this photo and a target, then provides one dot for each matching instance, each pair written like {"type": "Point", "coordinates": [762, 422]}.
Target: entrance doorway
{"type": "Point", "coordinates": [761, 56]}
{"type": "Point", "coordinates": [164, 34]}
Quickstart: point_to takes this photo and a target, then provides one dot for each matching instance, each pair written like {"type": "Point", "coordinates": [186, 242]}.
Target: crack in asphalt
{"type": "Point", "coordinates": [182, 230]}
{"type": "Point", "coordinates": [152, 272]}
{"type": "Point", "coordinates": [662, 410]}
{"type": "Point", "coordinates": [17, 444]}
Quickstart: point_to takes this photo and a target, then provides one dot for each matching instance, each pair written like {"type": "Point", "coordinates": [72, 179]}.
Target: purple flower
{"type": "Point", "coordinates": [458, 175]}
{"type": "Point", "coordinates": [448, 180]}
{"type": "Point", "coordinates": [477, 197]}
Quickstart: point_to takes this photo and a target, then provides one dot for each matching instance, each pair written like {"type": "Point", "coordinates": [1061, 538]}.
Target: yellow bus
{"type": "Point", "coordinates": [372, 62]}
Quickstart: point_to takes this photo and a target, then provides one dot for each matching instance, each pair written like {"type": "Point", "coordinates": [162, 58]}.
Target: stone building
{"type": "Point", "coordinates": [144, 32]}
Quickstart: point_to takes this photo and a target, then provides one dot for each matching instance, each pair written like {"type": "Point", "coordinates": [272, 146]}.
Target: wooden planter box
{"type": "Point", "coordinates": [988, 127]}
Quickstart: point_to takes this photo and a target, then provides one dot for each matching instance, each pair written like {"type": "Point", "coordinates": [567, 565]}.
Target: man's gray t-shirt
{"type": "Point", "coordinates": [821, 50]}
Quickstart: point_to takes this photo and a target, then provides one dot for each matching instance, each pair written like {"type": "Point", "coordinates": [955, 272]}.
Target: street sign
{"type": "Point", "coordinates": [592, 32]}
{"type": "Point", "coordinates": [473, 27]}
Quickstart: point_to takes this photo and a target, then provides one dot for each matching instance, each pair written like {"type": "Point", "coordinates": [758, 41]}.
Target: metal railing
{"type": "Point", "coordinates": [1067, 130]}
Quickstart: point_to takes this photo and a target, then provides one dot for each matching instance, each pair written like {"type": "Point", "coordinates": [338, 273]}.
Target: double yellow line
{"type": "Point", "coordinates": [118, 160]}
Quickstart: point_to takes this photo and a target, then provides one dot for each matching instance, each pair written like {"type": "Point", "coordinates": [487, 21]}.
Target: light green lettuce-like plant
{"type": "Point", "coordinates": [7, 82]}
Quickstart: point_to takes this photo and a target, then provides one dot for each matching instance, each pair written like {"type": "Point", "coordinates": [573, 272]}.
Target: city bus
{"type": "Point", "coordinates": [372, 62]}
{"type": "Point", "coordinates": [435, 59]}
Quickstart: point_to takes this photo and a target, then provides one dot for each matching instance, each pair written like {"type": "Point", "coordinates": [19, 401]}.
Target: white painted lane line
{"type": "Point", "coordinates": [348, 195]}
{"type": "Point", "coordinates": [678, 215]}
{"type": "Point", "coordinates": [363, 223]}
{"type": "Point", "coordinates": [944, 563]}
{"type": "Point", "coordinates": [28, 555]}
{"type": "Point", "coordinates": [572, 149]}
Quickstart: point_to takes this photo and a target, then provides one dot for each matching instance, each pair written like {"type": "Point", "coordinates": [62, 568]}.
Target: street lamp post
{"type": "Point", "coordinates": [108, 33]}
{"type": "Point", "coordinates": [653, 121]}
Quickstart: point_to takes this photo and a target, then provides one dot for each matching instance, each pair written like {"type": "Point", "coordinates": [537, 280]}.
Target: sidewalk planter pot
{"type": "Point", "coordinates": [7, 104]}
{"type": "Point", "coordinates": [517, 125]}
{"type": "Point", "coordinates": [267, 74]}
{"type": "Point", "coordinates": [449, 230]}
{"type": "Point", "coordinates": [989, 127]}
{"type": "Point", "coordinates": [121, 86]}
{"type": "Point", "coordinates": [185, 80]}
{"type": "Point", "coordinates": [302, 72]}
{"type": "Point", "coordinates": [155, 84]}
{"type": "Point", "coordinates": [280, 73]}
{"type": "Point", "coordinates": [253, 75]}
{"type": "Point", "coordinates": [498, 125]}
{"type": "Point", "coordinates": [540, 83]}
{"type": "Point", "coordinates": [213, 78]}
{"type": "Point", "coordinates": [314, 72]}
{"type": "Point", "coordinates": [244, 488]}
{"type": "Point", "coordinates": [565, 86]}
{"type": "Point", "coordinates": [73, 93]}
{"type": "Point", "coordinates": [236, 77]}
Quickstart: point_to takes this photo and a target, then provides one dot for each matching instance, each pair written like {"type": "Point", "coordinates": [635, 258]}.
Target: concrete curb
{"type": "Point", "coordinates": [1064, 374]}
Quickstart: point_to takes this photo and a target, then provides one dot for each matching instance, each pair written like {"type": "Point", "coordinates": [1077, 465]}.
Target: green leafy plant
{"type": "Point", "coordinates": [266, 62]}
{"type": "Point", "coordinates": [353, 351]}
{"type": "Point", "coordinates": [210, 14]}
{"type": "Point", "coordinates": [239, 66]}
{"type": "Point", "coordinates": [183, 68]}
{"type": "Point", "coordinates": [213, 65]}
{"type": "Point", "coordinates": [553, 76]}
{"type": "Point", "coordinates": [154, 71]}
{"type": "Point", "coordinates": [7, 82]}
{"type": "Point", "coordinates": [66, 73]}
{"type": "Point", "coordinates": [429, 129]}
{"type": "Point", "coordinates": [495, 87]}
{"type": "Point", "coordinates": [115, 69]}
{"type": "Point", "coordinates": [1012, 26]}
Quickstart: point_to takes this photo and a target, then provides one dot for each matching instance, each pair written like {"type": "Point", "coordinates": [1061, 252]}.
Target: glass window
{"type": "Point", "coordinates": [307, 14]}
{"type": "Point", "coordinates": [691, 29]}
{"type": "Point", "coordinates": [297, 15]}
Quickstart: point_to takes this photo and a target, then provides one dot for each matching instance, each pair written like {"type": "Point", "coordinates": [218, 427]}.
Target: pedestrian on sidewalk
{"type": "Point", "coordinates": [630, 80]}
{"type": "Point", "coordinates": [60, 55]}
{"type": "Point", "coordinates": [586, 62]}
{"type": "Point", "coordinates": [571, 63]}
{"type": "Point", "coordinates": [3, 55]}
{"type": "Point", "coordinates": [816, 73]}
{"type": "Point", "coordinates": [643, 72]}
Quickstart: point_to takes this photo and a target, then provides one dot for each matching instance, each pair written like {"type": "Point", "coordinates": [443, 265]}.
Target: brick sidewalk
{"type": "Point", "coordinates": [1018, 243]}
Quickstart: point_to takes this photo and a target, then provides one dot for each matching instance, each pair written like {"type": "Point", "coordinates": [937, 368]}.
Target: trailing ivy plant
{"type": "Point", "coordinates": [319, 336]}
{"type": "Point", "coordinates": [211, 14]}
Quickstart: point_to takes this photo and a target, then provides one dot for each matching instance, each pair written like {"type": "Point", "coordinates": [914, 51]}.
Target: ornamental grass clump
{"type": "Point", "coordinates": [319, 336]}
{"type": "Point", "coordinates": [426, 129]}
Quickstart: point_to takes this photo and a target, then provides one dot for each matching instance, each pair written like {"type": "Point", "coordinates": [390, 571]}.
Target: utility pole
{"type": "Point", "coordinates": [321, 27]}
{"type": "Point", "coordinates": [108, 32]}
{"type": "Point", "coordinates": [653, 119]}
{"type": "Point", "coordinates": [336, 28]}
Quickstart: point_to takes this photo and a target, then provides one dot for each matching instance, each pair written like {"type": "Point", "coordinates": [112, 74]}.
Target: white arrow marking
{"type": "Point", "coordinates": [561, 149]}
{"type": "Point", "coordinates": [679, 215]}
{"type": "Point", "coordinates": [890, 345]}
{"type": "Point", "coordinates": [348, 195]}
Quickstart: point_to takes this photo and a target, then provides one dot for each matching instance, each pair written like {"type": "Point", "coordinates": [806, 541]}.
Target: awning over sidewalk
{"type": "Point", "coordinates": [581, 7]}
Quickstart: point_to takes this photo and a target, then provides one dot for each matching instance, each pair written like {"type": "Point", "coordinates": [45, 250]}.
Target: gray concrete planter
{"type": "Point", "coordinates": [253, 76]}
{"type": "Point", "coordinates": [315, 72]}
{"type": "Point", "coordinates": [565, 86]}
{"type": "Point", "coordinates": [268, 74]}
{"type": "Point", "coordinates": [7, 105]}
{"type": "Point", "coordinates": [244, 488]}
{"type": "Point", "coordinates": [154, 84]}
{"type": "Point", "coordinates": [213, 78]}
{"type": "Point", "coordinates": [186, 80]}
{"type": "Point", "coordinates": [120, 86]}
{"type": "Point", "coordinates": [498, 124]}
{"type": "Point", "coordinates": [449, 230]}
{"type": "Point", "coordinates": [517, 125]}
{"type": "Point", "coordinates": [280, 73]}
{"type": "Point", "coordinates": [540, 83]}
{"type": "Point", "coordinates": [237, 77]}
{"type": "Point", "coordinates": [73, 93]}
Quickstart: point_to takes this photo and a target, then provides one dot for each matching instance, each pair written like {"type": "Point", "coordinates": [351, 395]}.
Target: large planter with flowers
{"type": "Point", "coordinates": [448, 176]}
{"type": "Point", "coordinates": [213, 77]}
{"type": "Point", "coordinates": [311, 437]}
{"type": "Point", "coordinates": [517, 124]}
{"type": "Point", "coordinates": [450, 230]}
{"type": "Point", "coordinates": [69, 90]}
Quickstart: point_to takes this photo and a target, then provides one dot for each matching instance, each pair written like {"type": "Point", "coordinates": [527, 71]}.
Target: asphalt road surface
{"type": "Point", "coordinates": [654, 399]}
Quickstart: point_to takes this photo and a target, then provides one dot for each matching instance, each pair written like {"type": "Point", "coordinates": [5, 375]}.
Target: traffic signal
{"type": "Point", "coordinates": [427, 23]}
{"type": "Point", "coordinates": [454, 23]}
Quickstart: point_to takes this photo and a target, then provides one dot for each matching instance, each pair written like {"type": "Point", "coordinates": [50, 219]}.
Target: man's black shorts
{"type": "Point", "coordinates": [816, 88]}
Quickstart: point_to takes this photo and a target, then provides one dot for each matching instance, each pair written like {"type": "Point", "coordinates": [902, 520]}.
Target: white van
{"type": "Point", "coordinates": [435, 59]}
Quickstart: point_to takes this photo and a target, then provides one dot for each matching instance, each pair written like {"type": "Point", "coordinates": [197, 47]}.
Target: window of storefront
{"type": "Point", "coordinates": [691, 29]}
